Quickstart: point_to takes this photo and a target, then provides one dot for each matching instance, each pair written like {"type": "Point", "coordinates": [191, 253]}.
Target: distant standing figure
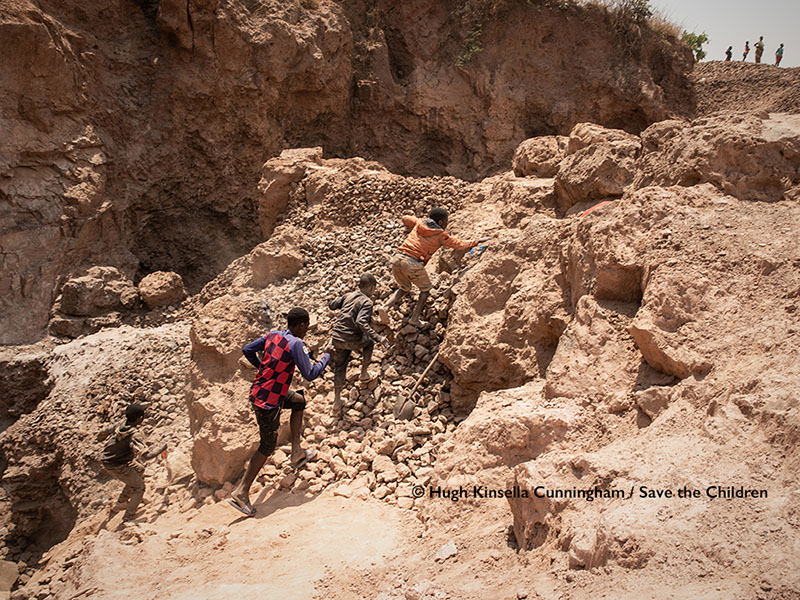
{"type": "Point", "coordinates": [728, 53]}
{"type": "Point", "coordinates": [746, 50]}
{"type": "Point", "coordinates": [759, 49]}
{"type": "Point", "coordinates": [778, 55]}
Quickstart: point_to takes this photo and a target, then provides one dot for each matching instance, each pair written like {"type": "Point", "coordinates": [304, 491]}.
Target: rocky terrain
{"type": "Point", "coordinates": [630, 326]}
{"type": "Point", "coordinates": [135, 130]}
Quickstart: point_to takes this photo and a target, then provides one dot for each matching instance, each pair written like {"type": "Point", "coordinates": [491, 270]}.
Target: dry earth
{"type": "Point", "coordinates": [632, 323]}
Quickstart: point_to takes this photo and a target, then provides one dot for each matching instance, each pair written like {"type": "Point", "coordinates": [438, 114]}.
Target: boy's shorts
{"type": "Point", "coordinates": [270, 419]}
{"type": "Point", "coordinates": [408, 271]}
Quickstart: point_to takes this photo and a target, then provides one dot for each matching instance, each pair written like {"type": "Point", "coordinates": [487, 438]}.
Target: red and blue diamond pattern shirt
{"type": "Point", "coordinates": [282, 351]}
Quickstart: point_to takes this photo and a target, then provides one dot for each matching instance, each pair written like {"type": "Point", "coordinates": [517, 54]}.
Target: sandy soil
{"type": "Point", "coordinates": [294, 542]}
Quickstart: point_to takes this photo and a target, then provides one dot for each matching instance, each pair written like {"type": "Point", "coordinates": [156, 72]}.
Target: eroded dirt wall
{"type": "Point", "coordinates": [135, 130]}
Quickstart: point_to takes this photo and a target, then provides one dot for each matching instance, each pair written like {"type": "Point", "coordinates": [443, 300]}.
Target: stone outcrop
{"type": "Point", "coordinates": [599, 164]}
{"type": "Point", "coordinates": [539, 156]}
{"type": "Point", "coordinates": [161, 289]}
{"type": "Point", "coordinates": [742, 155]}
{"type": "Point", "coordinates": [219, 328]}
{"type": "Point", "coordinates": [24, 381]}
{"type": "Point", "coordinates": [100, 290]}
{"type": "Point", "coordinates": [279, 178]}
{"type": "Point", "coordinates": [92, 301]}
{"type": "Point", "coordinates": [596, 355]}
{"type": "Point", "coordinates": [279, 258]}
{"type": "Point", "coordinates": [508, 314]}
{"type": "Point", "coordinates": [52, 477]}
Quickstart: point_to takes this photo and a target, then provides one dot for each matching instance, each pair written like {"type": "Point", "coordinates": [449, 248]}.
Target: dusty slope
{"type": "Point", "coordinates": [745, 87]}
{"type": "Point", "coordinates": [652, 342]}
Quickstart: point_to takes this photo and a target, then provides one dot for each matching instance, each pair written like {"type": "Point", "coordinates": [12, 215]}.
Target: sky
{"type": "Point", "coordinates": [731, 22]}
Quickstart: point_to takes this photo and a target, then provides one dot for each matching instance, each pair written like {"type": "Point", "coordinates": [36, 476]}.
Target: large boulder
{"type": "Point", "coordinates": [596, 356]}
{"type": "Point", "coordinates": [674, 299]}
{"type": "Point", "coordinates": [224, 432]}
{"type": "Point", "coordinates": [505, 428]}
{"type": "Point", "coordinates": [100, 290]}
{"type": "Point", "coordinates": [161, 288]}
{"type": "Point", "coordinates": [600, 163]}
{"type": "Point", "coordinates": [219, 329]}
{"type": "Point", "coordinates": [279, 178]}
{"type": "Point", "coordinates": [278, 258]}
{"type": "Point", "coordinates": [508, 314]}
{"type": "Point", "coordinates": [741, 155]}
{"type": "Point", "coordinates": [539, 156]}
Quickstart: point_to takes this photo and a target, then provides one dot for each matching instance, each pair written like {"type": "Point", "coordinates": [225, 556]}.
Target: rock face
{"type": "Point", "coordinates": [539, 156]}
{"type": "Point", "coordinates": [580, 352]}
{"type": "Point", "coordinates": [146, 164]}
{"type": "Point", "coordinates": [599, 164]}
{"type": "Point", "coordinates": [24, 382]}
{"type": "Point", "coordinates": [744, 156]}
{"type": "Point", "coordinates": [51, 475]}
{"type": "Point", "coordinates": [161, 289]}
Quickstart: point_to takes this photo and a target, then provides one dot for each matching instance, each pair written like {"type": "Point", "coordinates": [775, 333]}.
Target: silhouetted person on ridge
{"type": "Point", "coordinates": [759, 49]}
{"type": "Point", "coordinates": [728, 53]}
{"type": "Point", "coordinates": [746, 50]}
{"type": "Point", "coordinates": [779, 55]}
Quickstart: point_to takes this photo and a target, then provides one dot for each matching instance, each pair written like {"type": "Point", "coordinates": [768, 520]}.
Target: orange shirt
{"type": "Point", "coordinates": [423, 240]}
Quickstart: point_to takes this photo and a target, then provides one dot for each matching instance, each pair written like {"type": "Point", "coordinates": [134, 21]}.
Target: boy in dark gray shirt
{"type": "Point", "coordinates": [352, 332]}
{"type": "Point", "coordinates": [121, 455]}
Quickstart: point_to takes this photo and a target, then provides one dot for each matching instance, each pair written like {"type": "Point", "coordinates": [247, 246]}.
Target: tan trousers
{"type": "Point", "coordinates": [132, 475]}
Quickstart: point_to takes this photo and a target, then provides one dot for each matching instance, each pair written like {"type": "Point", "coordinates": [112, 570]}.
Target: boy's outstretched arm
{"type": "Point", "coordinates": [307, 370]}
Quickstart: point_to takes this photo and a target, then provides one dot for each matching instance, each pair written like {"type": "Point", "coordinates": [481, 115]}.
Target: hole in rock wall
{"type": "Point", "coordinates": [401, 61]}
{"type": "Point", "coordinates": [433, 152]}
{"type": "Point", "coordinates": [623, 284]}
{"type": "Point", "coordinates": [149, 8]}
{"type": "Point", "coordinates": [642, 419]}
{"type": "Point", "coordinates": [40, 511]}
{"type": "Point", "coordinates": [196, 242]}
{"type": "Point", "coordinates": [24, 383]}
{"type": "Point", "coordinates": [633, 121]}
{"type": "Point", "coordinates": [648, 377]}
{"type": "Point", "coordinates": [534, 125]}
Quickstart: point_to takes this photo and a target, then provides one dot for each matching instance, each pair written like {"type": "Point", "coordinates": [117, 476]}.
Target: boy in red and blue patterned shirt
{"type": "Point", "coordinates": [282, 351]}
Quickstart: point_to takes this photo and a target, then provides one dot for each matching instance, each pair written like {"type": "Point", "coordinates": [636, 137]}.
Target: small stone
{"type": "Point", "coordinates": [405, 503]}
{"type": "Point", "coordinates": [278, 458]}
{"type": "Point", "coordinates": [446, 551]}
{"type": "Point", "coordinates": [343, 491]}
{"type": "Point", "coordinates": [288, 480]}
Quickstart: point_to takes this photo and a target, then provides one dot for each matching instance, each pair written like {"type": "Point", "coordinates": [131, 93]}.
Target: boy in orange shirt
{"type": "Point", "coordinates": [425, 237]}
